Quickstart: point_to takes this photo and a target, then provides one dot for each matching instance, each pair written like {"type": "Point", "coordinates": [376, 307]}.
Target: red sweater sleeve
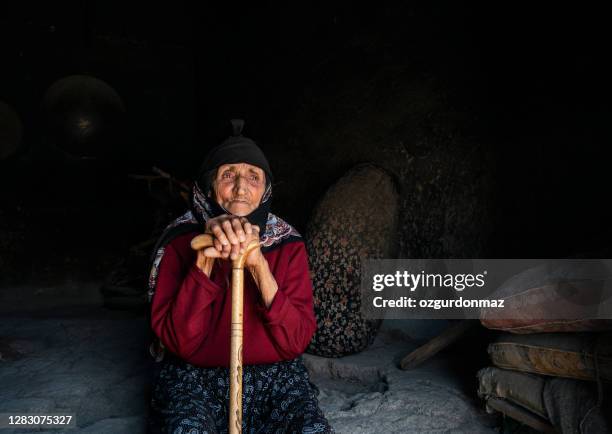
{"type": "Point", "coordinates": [290, 318]}
{"type": "Point", "coordinates": [180, 310]}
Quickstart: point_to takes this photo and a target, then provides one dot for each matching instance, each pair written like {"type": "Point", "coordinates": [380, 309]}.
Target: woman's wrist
{"type": "Point", "coordinates": [258, 268]}
{"type": "Point", "coordinates": [264, 280]}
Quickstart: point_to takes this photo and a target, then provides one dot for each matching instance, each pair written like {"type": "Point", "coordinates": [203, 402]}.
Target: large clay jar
{"type": "Point", "coordinates": [355, 220]}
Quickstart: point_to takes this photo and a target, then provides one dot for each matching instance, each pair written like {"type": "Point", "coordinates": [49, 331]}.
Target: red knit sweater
{"type": "Point", "coordinates": [191, 313]}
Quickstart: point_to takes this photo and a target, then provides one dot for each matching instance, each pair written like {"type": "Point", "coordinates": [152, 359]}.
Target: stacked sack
{"type": "Point", "coordinates": [548, 372]}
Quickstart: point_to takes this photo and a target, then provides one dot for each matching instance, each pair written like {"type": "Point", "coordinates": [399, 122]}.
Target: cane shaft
{"type": "Point", "coordinates": [235, 372]}
{"type": "Point", "coordinates": [235, 404]}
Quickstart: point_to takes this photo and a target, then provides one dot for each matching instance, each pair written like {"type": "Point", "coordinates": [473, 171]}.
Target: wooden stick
{"type": "Point", "coordinates": [235, 370]}
{"type": "Point", "coordinates": [235, 404]}
{"type": "Point", "coordinates": [200, 243]}
{"type": "Point", "coordinates": [431, 348]}
{"type": "Point", "coordinates": [521, 414]}
{"type": "Point", "coordinates": [170, 178]}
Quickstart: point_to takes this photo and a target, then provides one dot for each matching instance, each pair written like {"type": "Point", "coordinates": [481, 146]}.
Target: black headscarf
{"type": "Point", "coordinates": [236, 149]}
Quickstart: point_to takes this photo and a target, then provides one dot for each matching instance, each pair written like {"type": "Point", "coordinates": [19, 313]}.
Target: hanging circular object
{"type": "Point", "coordinates": [11, 131]}
{"type": "Point", "coordinates": [82, 115]}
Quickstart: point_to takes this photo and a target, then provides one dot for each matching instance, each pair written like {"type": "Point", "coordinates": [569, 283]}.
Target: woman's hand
{"type": "Point", "coordinates": [231, 236]}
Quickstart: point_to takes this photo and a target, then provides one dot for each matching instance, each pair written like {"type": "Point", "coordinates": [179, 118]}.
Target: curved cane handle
{"type": "Point", "coordinates": [202, 241]}
{"type": "Point", "coordinates": [206, 240]}
{"type": "Point", "coordinates": [199, 243]}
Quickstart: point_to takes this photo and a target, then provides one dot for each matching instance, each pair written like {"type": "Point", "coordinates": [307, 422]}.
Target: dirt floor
{"type": "Point", "coordinates": [93, 363]}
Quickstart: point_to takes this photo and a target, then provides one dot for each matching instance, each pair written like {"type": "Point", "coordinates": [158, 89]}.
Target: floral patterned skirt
{"type": "Point", "coordinates": [277, 398]}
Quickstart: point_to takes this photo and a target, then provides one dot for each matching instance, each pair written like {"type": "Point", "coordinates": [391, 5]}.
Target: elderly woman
{"type": "Point", "coordinates": [191, 306]}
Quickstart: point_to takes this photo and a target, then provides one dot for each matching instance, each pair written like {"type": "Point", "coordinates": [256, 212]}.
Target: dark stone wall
{"type": "Point", "coordinates": [492, 119]}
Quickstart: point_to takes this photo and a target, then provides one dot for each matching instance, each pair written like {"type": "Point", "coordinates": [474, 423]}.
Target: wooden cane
{"type": "Point", "coordinates": [235, 371]}
{"type": "Point", "coordinates": [201, 242]}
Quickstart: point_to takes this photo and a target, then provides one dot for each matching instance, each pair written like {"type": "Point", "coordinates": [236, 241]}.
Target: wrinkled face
{"type": "Point", "coordinates": [239, 187]}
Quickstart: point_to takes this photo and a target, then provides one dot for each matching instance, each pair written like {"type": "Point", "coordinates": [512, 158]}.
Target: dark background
{"type": "Point", "coordinates": [493, 118]}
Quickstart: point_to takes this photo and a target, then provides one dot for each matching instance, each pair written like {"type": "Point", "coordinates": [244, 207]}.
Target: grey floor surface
{"type": "Point", "coordinates": [93, 363]}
